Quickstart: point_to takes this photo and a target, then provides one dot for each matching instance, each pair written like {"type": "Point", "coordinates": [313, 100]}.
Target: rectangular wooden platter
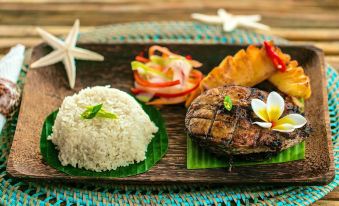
{"type": "Point", "coordinates": [46, 88]}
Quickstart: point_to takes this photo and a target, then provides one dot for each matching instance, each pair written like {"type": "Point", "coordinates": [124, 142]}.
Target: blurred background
{"type": "Point", "coordinates": [301, 21]}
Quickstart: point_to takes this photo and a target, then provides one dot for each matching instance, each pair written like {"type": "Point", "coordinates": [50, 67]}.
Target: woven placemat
{"type": "Point", "coordinates": [14, 192]}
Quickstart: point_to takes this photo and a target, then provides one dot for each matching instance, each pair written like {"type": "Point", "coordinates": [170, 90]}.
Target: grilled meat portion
{"type": "Point", "coordinates": [228, 133]}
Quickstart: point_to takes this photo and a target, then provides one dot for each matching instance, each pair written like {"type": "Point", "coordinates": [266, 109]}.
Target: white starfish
{"type": "Point", "coordinates": [230, 22]}
{"type": "Point", "coordinates": [65, 51]}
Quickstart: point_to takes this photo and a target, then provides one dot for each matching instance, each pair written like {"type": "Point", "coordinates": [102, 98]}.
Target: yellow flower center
{"type": "Point", "coordinates": [273, 113]}
{"type": "Point", "coordinates": [273, 124]}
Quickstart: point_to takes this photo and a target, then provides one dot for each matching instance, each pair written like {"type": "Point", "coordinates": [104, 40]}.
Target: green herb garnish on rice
{"type": "Point", "coordinates": [101, 148]}
{"type": "Point", "coordinates": [97, 111]}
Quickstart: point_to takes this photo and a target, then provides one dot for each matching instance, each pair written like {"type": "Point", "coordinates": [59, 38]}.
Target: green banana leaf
{"type": "Point", "coordinates": [155, 151]}
{"type": "Point", "coordinates": [198, 158]}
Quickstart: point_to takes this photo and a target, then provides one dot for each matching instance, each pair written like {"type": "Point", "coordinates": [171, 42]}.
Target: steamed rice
{"type": "Point", "coordinates": [101, 144]}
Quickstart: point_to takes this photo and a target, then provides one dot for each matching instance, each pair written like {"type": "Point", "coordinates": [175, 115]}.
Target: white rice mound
{"type": "Point", "coordinates": [101, 144]}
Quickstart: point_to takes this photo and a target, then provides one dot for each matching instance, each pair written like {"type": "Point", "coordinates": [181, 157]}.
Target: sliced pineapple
{"type": "Point", "coordinates": [293, 81]}
{"type": "Point", "coordinates": [250, 67]}
{"type": "Point", "coordinates": [246, 68]}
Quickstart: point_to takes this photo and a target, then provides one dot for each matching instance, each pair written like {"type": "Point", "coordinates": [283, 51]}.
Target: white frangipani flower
{"type": "Point", "coordinates": [271, 112]}
{"type": "Point", "coordinates": [230, 22]}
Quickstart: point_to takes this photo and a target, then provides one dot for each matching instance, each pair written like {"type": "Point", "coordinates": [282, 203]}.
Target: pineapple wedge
{"type": "Point", "coordinates": [293, 81]}
{"type": "Point", "coordinates": [250, 67]}
{"type": "Point", "coordinates": [246, 68]}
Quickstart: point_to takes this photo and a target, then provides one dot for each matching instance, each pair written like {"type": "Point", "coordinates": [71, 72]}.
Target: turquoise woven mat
{"type": "Point", "coordinates": [14, 192]}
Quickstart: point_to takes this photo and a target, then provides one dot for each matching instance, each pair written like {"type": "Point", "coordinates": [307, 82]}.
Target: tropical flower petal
{"type": "Point", "coordinates": [259, 108]}
{"type": "Point", "coordinates": [296, 120]}
{"type": "Point", "coordinates": [275, 106]}
{"type": "Point", "coordinates": [284, 128]}
{"type": "Point", "coordinates": [264, 124]}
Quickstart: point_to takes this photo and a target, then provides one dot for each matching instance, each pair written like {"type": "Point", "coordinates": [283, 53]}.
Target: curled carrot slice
{"type": "Point", "coordinates": [145, 83]}
{"type": "Point", "coordinates": [197, 75]}
{"type": "Point", "coordinates": [142, 59]}
{"type": "Point", "coordinates": [165, 52]}
{"type": "Point", "coordinates": [154, 76]}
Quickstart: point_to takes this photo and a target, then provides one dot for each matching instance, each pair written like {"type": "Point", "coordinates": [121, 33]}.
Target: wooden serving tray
{"type": "Point", "coordinates": [46, 88]}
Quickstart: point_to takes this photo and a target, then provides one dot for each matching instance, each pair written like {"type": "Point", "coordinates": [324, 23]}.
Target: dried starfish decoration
{"type": "Point", "coordinates": [230, 22]}
{"type": "Point", "coordinates": [271, 111]}
{"type": "Point", "coordinates": [65, 51]}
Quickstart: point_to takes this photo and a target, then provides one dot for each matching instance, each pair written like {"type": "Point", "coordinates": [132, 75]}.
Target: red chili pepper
{"type": "Point", "coordinates": [189, 57]}
{"type": "Point", "coordinates": [277, 61]}
{"type": "Point", "coordinates": [145, 83]}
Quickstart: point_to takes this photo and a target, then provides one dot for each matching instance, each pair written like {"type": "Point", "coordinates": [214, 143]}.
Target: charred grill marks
{"type": "Point", "coordinates": [232, 132]}
{"type": "Point", "coordinates": [208, 135]}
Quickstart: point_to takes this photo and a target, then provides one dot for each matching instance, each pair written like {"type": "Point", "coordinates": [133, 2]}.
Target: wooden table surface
{"type": "Point", "coordinates": [314, 21]}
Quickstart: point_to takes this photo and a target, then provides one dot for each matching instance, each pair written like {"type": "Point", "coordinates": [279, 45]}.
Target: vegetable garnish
{"type": "Point", "coordinates": [271, 111]}
{"type": "Point", "coordinates": [164, 77]}
{"type": "Point", "coordinates": [141, 59]}
{"type": "Point", "coordinates": [277, 61]}
{"type": "Point", "coordinates": [142, 68]}
{"type": "Point", "coordinates": [145, 83]}
{"type": "Point", "coordinates": [91, 111]}
{"type": "Point", "coordinates": [166, 95]}
{"type": "Point", "coordinates": [97, 111]}
{"type": "Point", "coordinates": [228, 103]}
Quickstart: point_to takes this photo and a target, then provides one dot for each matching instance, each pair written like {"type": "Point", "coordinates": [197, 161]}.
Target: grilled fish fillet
{"type": "Point", "coordinates": [229, 133]}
